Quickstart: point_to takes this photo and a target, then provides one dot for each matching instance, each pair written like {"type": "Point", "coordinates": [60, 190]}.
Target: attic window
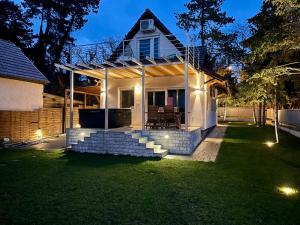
{"type": "Point", "coordinates": [145, 49]}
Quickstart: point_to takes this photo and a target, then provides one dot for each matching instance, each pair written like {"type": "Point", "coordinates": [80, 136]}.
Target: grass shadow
{"type": "Point", "coordinates": [97, 160]}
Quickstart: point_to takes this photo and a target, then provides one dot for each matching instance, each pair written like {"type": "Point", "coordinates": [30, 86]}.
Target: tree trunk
{"type": "Point", "coordinates": [264, 113]}
{"type": "Point", "coordinates": [225, 112]}
{"type": "Point", "coordinates": [254, 115]}
{"type": "Point", "coordinates": [202, 23]}
{"type": "Point", "coordinates": [259, 114]}
{"type": "Point", "coordinates": [276, 117]}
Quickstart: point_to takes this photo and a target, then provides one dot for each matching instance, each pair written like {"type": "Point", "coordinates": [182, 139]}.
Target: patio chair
{"type": "Point", "coordinates": [169, 116]}
{"type": "Point", "coordinates": [154, 120]}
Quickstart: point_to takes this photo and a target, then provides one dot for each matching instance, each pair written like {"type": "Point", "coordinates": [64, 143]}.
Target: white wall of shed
{"type": "Point", "coordinates": [20, 95]}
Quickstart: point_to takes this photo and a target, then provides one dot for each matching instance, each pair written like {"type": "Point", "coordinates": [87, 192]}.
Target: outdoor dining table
{"type": "Point", "coordinates": [177, 115]}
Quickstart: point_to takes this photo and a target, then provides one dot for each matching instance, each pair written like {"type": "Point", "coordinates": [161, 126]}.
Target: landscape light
{"type": "Point", "coordinates": [167, 136]}
{"type": "Point", "coordinates": [270, 144]}
{"type": "Point", "coordinates": [39, 133]}
{"type": "Point", "coordinates": [288, 190]}
{"type": "Point", "coordinates": [82, 133]}
{"type": "Point", "coordinates": [230, 68]}
{"type": "Point", "coordinates": [78, 126]}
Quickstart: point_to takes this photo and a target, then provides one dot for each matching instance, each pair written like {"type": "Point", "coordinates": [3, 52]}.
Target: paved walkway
{"type": "Point", "coordinates": [55, 143]}
{"type": "Point", "coordinates": [208, 150]}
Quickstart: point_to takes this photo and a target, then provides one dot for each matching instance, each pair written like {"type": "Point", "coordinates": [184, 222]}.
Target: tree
{"type": "Point", "coordinates": [58, 19]}
{"type": "Point", "coordinates": [205, 19]}
{"type": "Point", "coordinates": [14, 25]}
{"type": "Point", "coordinates": [274, 48]}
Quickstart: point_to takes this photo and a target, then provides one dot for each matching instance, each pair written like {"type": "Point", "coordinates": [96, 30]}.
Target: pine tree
{"type": "Point", "coordinates": [205, 19]}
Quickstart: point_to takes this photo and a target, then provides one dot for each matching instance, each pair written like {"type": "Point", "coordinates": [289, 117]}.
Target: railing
{"type": "Point", "coordinates": [113, 50]}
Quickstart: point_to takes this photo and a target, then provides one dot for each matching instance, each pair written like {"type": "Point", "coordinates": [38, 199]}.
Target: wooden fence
{"type": "Point", "coordinates": [244, 114]}
{"type": "Point", "coordinates": [21, 126]}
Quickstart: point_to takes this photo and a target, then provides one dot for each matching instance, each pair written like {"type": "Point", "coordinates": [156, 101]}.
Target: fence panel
{"type": "Point", "coordinates": [21, 126]}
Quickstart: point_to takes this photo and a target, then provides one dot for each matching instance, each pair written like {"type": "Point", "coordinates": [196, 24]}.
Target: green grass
{"type": "Point", "coordinates": [240, 188]}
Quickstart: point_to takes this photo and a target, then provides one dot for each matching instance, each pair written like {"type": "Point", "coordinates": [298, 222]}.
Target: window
{"type": "Point", "coordinates": [127, 99]}
{"type": "Point", "coordinates": [145, 48]}
{"type": "Point", "coordinates": [156, 48]}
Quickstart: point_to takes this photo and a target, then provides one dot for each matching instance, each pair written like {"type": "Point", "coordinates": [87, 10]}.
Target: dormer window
{"type": "Point", "coordinates": [149, 47]}
{"type": "Point", "coordinates": [145, 48]}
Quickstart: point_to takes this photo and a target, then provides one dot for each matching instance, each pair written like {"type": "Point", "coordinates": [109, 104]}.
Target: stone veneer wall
{"type": "Point", "coordinates": [74, 135]}
{"type": "Point", "coordinates": [176, 141]}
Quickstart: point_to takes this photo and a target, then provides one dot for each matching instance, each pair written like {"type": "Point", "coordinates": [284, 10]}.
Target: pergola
{"type": "Point", "coordinates": [133, 68]}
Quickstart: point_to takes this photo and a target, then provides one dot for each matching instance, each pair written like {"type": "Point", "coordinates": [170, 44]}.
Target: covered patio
{"type": "Point", "coordinates": [194, 82]}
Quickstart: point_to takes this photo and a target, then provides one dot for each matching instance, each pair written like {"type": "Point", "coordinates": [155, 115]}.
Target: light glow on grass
{"type": "Point", "coordinates": [287, 190]}
{"type": "Point", "coordinates": [270, 144]}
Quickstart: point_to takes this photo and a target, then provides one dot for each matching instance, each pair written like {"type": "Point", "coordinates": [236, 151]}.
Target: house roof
{"type": "Point", "coordinates": [15, 65]}
{"type": "Point", "coordinates": [213, 74]}
{"type": "Point", "coordinates": [148, 14]}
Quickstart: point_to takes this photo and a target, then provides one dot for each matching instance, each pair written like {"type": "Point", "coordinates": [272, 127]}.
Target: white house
{"type": "Point", "coordinates": [21, 83]}
{"type": "Point", "coordinates": [151, 67]}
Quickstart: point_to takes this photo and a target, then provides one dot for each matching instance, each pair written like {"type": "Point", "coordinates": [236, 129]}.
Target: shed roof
{"type": "Point", "coordinates": [15, 65]}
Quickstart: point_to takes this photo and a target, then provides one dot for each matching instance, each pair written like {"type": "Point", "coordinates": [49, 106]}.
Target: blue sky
{"type": "Point", "coordinates": [116, 17]}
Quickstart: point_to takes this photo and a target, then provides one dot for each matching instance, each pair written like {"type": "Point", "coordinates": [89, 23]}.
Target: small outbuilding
{"type": "Point", "coordinates": [21, 83]}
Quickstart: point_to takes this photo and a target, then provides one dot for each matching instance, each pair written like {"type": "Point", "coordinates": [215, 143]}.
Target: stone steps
{"type": "Point", "coordinates": [119, 143]}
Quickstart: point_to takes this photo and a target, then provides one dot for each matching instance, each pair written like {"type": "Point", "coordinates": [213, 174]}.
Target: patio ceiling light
{"type": "Point", "coordinates": [287, 190]}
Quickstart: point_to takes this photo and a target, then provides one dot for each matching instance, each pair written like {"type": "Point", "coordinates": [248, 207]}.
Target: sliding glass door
{"type": "Point", "coordinates": [176, 98]}
{"type": "Point", "coordinates": [157, 98]}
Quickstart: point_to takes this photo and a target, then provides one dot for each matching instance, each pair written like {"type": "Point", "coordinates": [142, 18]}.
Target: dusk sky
{"type": "Point", "coordinates": [116, 17]}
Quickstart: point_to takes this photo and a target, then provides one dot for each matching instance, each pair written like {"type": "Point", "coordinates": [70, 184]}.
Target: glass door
{"type": "Point", "coordinates": [176, 96]}
{"type": "Point", "coordinates": [157, 98]}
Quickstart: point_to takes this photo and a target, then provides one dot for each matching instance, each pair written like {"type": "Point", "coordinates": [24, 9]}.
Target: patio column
{"type": "Point", "coordinates": [143, 97]}
{"type": "Point", "coordinates": [106, 99]}
{"type": "Point", "coordinates": [71, 97]}
{"type": "Point", "coordinates": [186, 90]}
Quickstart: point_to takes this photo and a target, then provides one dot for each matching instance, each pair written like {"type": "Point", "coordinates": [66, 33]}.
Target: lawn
{"type": "Point", "coordinates": [240, 188]}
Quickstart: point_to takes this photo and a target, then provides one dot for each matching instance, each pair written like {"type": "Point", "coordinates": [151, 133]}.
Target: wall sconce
{"type": "Point", "coordinates": [137, 89]}
{"type": "Point", "coordinates": [198, 91]}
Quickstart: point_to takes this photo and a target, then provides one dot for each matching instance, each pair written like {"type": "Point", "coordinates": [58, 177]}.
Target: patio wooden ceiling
{"type": "Point", "coordinates": [135, 72]}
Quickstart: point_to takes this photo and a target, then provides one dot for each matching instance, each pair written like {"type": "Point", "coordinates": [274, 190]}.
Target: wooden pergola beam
{"type": "Point", "coordinates": [151, 60]}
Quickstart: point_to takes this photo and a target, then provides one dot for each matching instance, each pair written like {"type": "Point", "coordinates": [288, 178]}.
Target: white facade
{"type": "Point", "coordinates": [201, 112]}
{"type": "Point", "coordinates": [19, 95]}
{"type": "Point", "coordinates": [166, 48]}
{"type": "Point", "coordinates": [202, 108]}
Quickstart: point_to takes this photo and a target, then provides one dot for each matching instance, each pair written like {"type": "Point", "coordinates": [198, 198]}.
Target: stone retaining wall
{"type": "Point", "coordinates": [176, 141]}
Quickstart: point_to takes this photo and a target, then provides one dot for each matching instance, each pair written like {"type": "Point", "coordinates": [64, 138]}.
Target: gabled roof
{"type": "Point", "coordinates": [148, 14]}
{"type": "Point", "coordinates": [15, 65]}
